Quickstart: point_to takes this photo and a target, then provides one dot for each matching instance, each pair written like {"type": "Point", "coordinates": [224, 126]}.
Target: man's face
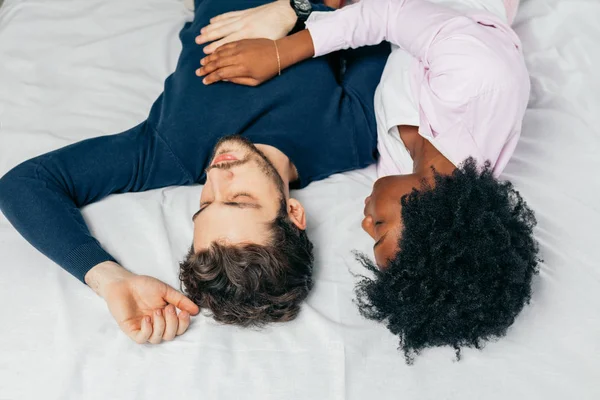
{"type": "Point", "coordinates": [383, 214]}
{"type": "Point", "coordinates": [242, 195]}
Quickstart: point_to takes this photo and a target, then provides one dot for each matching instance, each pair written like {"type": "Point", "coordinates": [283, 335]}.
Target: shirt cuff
{"type": "Point", "coordinates": [85, 257]}
{"type": "Point", "coordinates": [316, 15]}
{"type": "Point", "coordinates": [320, 32]}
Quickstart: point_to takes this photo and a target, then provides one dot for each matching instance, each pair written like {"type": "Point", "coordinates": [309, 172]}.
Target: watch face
{"type": "Point", "coordinates": [302, 5]}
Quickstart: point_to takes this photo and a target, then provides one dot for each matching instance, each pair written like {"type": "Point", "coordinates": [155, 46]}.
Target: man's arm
{"type": "Point", "coordinates": [41, 198]}
{"type": "Point", "coordinates": [270, 21]}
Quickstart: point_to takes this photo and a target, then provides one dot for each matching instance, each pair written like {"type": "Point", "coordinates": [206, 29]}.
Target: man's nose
{"type": "Point", "coordinates": [219, 179]}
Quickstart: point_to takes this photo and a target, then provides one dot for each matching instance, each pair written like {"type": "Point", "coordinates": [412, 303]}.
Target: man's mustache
{"type": "Point", "coordinates": [228, 165]}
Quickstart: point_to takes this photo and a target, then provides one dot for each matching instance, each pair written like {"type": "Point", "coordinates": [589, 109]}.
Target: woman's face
{"type": "Point", "coordinates": [383, 217]}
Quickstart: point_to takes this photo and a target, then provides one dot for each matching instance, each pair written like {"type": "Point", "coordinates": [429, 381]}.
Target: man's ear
{"type": "Point", "coordinates": [296, 213]}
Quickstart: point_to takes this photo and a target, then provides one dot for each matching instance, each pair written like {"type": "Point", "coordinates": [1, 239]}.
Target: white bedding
{"type": "Point", "coordinates": [71, 69]}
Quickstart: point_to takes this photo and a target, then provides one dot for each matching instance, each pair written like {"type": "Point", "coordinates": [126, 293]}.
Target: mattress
{"type": "Point", "coordinates": [71, 70]}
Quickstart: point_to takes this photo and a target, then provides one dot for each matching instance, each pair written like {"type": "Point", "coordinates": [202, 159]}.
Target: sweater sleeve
{"type": "Point", "coordinates": [41, 197]}
{"type": "Point", "coordinates": [410, 24]}
{"type": "Point", "coordinates": [320, 7]}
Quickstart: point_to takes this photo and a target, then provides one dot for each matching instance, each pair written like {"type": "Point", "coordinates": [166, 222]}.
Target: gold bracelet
{"type": "Point", "coordinates": [278, 59]}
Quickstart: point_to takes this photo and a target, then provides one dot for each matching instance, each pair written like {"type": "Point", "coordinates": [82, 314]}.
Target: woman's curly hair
{"type": "Point", "coordinates": [464, 269]}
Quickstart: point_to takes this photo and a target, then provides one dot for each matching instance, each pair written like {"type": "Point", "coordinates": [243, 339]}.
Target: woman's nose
{"type": "Point", "coordinates": [367, 225]}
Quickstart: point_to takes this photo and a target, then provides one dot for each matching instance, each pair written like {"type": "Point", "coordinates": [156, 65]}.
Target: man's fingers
{"type": "Point", "coordinates": [158, 328]}
{"type": "Point", "coordinates": [184, 322]}
{"type": "Point", "coordinates": [227, 15]}
{"type": "Point", "coordinates": [218, 24]}
{"type": "Point", "coordinates": [216, 45]}
{"type": "Point", "coordinates": [245, 81]}
{"type": "Point", "coordinates": [225, 73]}
{"type": "Point", "coordinates": [217, 31]}
{"type": "Point", "coordinates": [172, 296]}
{"type": "Point", "coordinates": [144, 333]}
{"type": "Point", "coordinates": [172, 322]}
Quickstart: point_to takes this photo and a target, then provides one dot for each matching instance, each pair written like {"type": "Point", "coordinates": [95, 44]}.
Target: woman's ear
{"type": "Point", "coordinates": [296, 213]}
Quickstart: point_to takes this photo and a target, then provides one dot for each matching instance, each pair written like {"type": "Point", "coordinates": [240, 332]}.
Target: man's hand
{"type": "Point", "coordinates": [144, 307]}
{"type": "Point", "coordinates": [270, 21]}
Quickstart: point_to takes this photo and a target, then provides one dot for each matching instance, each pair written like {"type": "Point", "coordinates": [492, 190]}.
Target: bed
{"type": "Point", "coordinates": [71, 70]}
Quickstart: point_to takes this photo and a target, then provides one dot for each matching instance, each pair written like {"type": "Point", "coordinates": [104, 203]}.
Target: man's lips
{"type": "Point", "coordinates": [224, 157]}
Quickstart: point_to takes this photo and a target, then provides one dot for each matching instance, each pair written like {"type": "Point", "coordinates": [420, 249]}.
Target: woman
{"type": "Point", "coordinates": [453, 245]}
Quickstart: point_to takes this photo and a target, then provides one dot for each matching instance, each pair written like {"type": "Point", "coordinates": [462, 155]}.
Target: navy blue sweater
{"type": "Point", "coordinates": [323, 121]}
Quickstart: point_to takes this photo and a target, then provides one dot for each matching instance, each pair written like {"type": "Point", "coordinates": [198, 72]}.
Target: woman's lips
{"type": "Point", "coordinates": [224, 157]}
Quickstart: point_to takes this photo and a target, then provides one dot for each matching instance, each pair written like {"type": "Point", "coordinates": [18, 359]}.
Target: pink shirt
{"type": "Point", "coordinates": [468, 77]}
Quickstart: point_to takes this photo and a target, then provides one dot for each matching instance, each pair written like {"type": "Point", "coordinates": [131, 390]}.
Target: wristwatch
{"type": "Point", "coordinates": [303, 9]}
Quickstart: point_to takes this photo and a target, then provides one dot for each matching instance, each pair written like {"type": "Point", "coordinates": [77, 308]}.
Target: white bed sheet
{"type": "Point", "coordinates": [71, 70]}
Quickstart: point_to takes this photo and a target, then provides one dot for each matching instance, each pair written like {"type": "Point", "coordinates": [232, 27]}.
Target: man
{"type": "Point", "coordinates": [250, 262]}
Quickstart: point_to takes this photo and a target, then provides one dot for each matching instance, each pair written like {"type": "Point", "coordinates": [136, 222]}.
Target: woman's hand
{"type": "Point", "coordinates": [248, 62]}
{"type": "Point", "coordinates": [251, 62]}
{"type": "Point", "coordinates": [271, 21]}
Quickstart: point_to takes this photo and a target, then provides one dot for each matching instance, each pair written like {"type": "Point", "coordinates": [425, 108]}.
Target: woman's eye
{"type": "Point", "coordinates": [378, 223]}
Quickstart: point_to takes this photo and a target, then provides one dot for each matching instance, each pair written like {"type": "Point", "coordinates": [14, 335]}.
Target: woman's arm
{"type": "Point", "coordinates": [413, 25]}
{"type": "Point", "coordinates": [253, 61]}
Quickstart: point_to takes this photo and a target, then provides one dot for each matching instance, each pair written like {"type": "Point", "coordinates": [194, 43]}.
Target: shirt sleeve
{"type": "Point", "coordinates": [469, 75]}
{"type": "Point", "coordinates": [410, 24]}
{"type": "Point", "coordinates": [41, 197]}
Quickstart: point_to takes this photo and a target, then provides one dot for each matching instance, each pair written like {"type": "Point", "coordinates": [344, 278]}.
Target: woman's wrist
{"type": "Point", "coordinates": [295, 48]}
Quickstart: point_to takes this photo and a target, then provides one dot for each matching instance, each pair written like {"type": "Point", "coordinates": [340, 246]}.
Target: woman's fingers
{"type": "Point", "coordinates": [225, 73]}
{"type": "Point", "coordinates": [172, 323]}
{"type": "Point", "coordinates": [158, 328]}
{"type": "Point", "coordinates": [224, 52]}
{"type": "Point", "coordinates": [184, 322]}
{"type": "Point", "coordinates": [213, 66]}
{"type": "Point", "coordinates": [246, 81]}
{"type": "Point", "coordinates": [215, 63]}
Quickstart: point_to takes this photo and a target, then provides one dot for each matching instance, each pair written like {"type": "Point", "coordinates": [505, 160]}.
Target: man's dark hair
{"type": "Point", "coordinates": [252, 284]}
{"type": "Point", "coordinates": [464, 269]}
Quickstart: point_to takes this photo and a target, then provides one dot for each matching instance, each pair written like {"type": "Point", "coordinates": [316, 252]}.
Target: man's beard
{"type": "Point", "coordinates": [254, 154]}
